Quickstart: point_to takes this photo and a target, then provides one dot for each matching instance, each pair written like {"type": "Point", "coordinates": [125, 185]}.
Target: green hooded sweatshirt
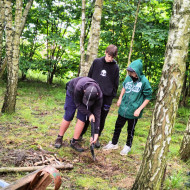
{"type": "Point", "coordinates": [135, 92]}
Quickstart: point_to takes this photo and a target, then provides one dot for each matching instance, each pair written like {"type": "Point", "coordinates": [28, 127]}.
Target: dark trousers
{"type": "Point", "coordinates": [130, 129]}
{"type": "Point", "coordinates": [104, 112]}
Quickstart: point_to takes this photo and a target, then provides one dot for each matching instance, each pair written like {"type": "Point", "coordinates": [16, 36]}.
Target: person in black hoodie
{"type": "Point", "coordinates": [84, 94]}
{"type": "Point", "coordinates": [105, 72]}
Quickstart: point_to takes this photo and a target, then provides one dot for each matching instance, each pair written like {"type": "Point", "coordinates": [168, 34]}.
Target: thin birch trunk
{"type": "Point", "coordinates": [12, 50]}
{"type": "Point", "coordinates": [82, 36]}
{"type": "Point", "coordinates": [2, 25]}
{"type": "Point", "coordinates": [185, 145]}
{"type": "Point", "coordinates": [9, 37]}
{"type": "Point", "coordinates": [93, 43]}
{"type": "Point", "coordinates": [186, 86]}
{"type": "Point", "coordinates": [133, 35]}
{"type": "Point", "coordinates": [3, 62]}
{"type": "Point", "coordinates": [154, 161]}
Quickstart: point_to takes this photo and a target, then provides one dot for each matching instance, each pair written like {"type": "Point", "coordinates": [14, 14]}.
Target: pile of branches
{"type": "Point", "coordinates": [27, 158]}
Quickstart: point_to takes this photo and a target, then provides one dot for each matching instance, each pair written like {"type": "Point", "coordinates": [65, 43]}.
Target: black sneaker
{"type": "Point", "coordinates": [76, 146]}
{"type": "Point", "coordinates": [97, 144]}
{"type": "Point", "coordinates": [58, 142]}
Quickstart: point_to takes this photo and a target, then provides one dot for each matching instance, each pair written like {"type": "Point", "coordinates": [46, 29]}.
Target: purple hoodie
{"type": "Point", "coordinates": [76, 88]}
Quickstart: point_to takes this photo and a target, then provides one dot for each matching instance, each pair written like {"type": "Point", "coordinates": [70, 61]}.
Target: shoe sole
{"type": "Point", "coordinates": [123, 154]}
{"type": "Point", "coordinates": [58, 146]}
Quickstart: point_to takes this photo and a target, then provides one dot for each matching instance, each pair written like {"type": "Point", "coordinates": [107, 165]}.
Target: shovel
{"type": "Point", "coordinates": [92, 145]}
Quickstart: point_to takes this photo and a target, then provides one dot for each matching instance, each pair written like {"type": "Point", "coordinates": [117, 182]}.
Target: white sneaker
{"type": "Point", "coordinates": [125, 150]}
{"type": "Point", "coordinates": [110, 146]}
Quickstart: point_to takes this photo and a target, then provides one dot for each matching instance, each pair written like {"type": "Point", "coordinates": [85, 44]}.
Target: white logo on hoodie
{"type": "Point", "coordinates": [134, 88]}
{"type": "Point", "coordinates": [103, 73]}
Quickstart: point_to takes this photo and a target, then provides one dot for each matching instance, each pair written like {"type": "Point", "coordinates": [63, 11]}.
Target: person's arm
{"type": "Point", "coordinates": [147, 92]}
{"type": "Point", "coordinates": [143, 105]}
{"type": "Point", "coordinates": [120, 97]}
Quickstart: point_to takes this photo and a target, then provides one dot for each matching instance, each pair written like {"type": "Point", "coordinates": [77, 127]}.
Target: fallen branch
{"type": "Point", "coordinates": [31, 168]}
{"type": "Point", "coordinates": [44, 162]}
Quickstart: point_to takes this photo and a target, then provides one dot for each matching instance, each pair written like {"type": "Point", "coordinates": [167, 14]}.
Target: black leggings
{"type": "Point", "coordinates": [130, 129]}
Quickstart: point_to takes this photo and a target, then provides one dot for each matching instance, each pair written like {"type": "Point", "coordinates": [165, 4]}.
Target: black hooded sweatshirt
{"type": "Point", "coordinates": [106, 74]}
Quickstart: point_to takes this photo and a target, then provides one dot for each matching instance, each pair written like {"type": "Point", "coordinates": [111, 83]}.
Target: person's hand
{"type": "Point", "coordinates": [95, 139]}
{"type": "Point", "coordinates": [119, 102]}
{"type": "Point", "coordinates": [137, 113]}
{"type": "Point", "coordinates": [92, 118]}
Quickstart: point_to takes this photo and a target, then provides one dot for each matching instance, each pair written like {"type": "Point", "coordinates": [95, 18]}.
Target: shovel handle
{"type": "Point", "coordinates": [92, 129]}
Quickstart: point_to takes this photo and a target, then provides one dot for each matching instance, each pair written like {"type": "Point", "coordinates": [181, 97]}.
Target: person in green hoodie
{"type": "Point", "coordinates": [135, 95]}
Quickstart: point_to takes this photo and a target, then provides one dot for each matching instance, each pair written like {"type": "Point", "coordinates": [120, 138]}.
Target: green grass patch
{"type": "Point", "coordinates": [36, 122]}
{"type": "Point", "coordinates": [175, 181]}
{"type": "Point", "coordinates": [92, 183]}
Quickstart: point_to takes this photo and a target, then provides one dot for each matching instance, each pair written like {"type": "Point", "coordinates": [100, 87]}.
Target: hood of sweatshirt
{"type": "Point", "coordinates": [137, 66]}
{"type": "Point", "coordinates": [113, 62]}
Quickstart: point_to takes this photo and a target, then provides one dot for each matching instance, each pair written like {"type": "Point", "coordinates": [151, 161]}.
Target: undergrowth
{"type": "Point", "coordinates": [35, 124]}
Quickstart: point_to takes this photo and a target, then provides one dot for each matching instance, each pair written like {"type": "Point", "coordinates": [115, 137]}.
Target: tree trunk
{"type": "Point", "coordinates": [2, 25]}
{"type": "Point", "coordinates": [13, 34]}
{"type": "Point", "coordinates": [82, 37]}
{"type": "Point", "coordinates": [185, 145]}
{"type": "Point", "coordinates": [51, 74]}
{"type": "Point", "coordinates": [153, 165]}
{"type": "Point", "coordinates": [133, 35]}
{"type": "Point", "coordinates": [8, 101]}
{"type": "Point", "coordinates": [93, 43]}
{"type": "Point", "coordinates": [186, 87]}
{"type": "Point", "coordinates": [3, 62]}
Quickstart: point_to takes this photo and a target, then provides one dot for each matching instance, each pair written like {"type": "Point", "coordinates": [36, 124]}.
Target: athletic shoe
{"type": "Point", "coordinates": [76, 146]}
{"type": "Point", "coordinates": [58, 142]}
{"type": "Point", "coordinates": [125, 150]}
{"type": "Point", "coordinates": [110, 146]}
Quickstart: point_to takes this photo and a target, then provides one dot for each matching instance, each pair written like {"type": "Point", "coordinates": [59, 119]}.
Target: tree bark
{"type": "Point", "coordinates": [12, 50]}
{"type": "Point", "coordinates": [186, 86]}
{"type": "Point", "coordinates": [185, 145]}
{"type": "Point", "coordinates": [9, 33]}
{"type": "Point", "coordinates": [3, 67]}
{"type": "Point", "coordinates": [2, 25]}
{"type": "Point", "coordinates": [133, 35]}
{"type": "Point", "coordinates": [153, 165]}
{"type": "Point", "coordinates": [93, 43]}
{"type": "Point", "coordinates": [3, 62]}
{"type": "Point", "coordinates": [82, 36]}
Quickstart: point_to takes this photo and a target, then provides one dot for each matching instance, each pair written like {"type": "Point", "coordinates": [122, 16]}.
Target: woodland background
{"type": "Point", "coordinates": [49, 55]}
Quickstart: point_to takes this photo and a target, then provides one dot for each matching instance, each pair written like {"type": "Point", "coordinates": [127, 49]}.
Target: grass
{"type": "Point", "coordinates": [36, 122]}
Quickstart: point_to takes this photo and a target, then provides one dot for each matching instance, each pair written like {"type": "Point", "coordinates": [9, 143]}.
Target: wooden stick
{"type": "Point", "coordinates": [33, 168]}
